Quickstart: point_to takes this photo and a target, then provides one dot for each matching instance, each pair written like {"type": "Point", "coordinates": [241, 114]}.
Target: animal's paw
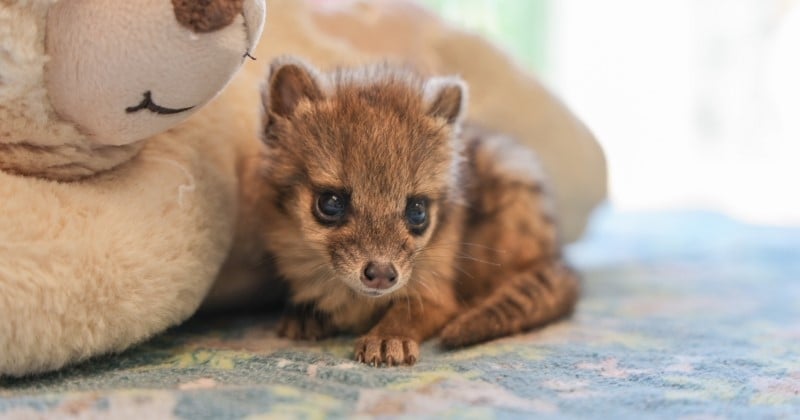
{"type": "Point", "coordinates": [454, 335]}
{"type": "Point", "coordinates": [305, 325]}
{"type": "Point", "coordinates": [390, 351]}
{"type": "Point", "coordinates": [468, 329]}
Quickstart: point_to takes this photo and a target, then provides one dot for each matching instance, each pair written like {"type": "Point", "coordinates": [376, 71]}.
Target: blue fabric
{"type": "Point", "coordinates": [683, 315]}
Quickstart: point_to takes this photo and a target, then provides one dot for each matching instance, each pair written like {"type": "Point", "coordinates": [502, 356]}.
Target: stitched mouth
{"type": "Point", "coordinates": [148, 104]}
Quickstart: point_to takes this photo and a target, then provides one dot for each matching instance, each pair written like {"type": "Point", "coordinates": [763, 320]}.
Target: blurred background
{"type": "Point", "coordinates": [696, 102]}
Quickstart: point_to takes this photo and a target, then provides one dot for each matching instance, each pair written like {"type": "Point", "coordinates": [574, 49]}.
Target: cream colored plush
{"type": "Point", "coordinates": [109, 231]}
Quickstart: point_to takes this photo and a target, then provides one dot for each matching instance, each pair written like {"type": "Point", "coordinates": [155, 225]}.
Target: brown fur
{"type": "Point", "coordinates": [512, 277]}
{"type": "Point", "coordinates": [486, 265]}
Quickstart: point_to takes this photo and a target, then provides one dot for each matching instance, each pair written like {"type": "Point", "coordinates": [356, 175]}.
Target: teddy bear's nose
{"type": "Point", "coordinates": [206, 15]}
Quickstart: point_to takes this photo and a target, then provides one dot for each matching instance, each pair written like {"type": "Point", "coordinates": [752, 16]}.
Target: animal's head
{"type": "Point", "coordinates": [363, 162]}
{"type": "Point", "coordinates": [93, 75]}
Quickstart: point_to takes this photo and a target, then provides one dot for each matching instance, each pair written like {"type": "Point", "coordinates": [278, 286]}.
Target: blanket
{"type": "Point", "coordinates": [683, 315]}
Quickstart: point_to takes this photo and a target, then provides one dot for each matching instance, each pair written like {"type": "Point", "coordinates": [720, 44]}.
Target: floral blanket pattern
{"type": "Point", "coordinates": [684, 315]}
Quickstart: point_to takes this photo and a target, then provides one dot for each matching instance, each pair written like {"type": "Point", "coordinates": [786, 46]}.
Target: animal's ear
{"type": "Point", "coordinates": [446, 97]}
{"type": "Point", "coordinates": [290, 83]}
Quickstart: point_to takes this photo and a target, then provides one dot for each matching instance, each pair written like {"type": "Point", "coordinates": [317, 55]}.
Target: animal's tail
{"type": "Point", "coordinates": [543, 293]}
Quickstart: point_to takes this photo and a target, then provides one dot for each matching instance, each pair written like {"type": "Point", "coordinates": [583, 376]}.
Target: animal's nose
{"type": "Point", "coordinates": [206, 15]}
{"type": "Point", "coordinates": [379, 275]}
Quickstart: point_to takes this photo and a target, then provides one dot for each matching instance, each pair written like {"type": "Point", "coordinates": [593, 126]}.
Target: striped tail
{"type": "Point", "coordinates": [544, 293]}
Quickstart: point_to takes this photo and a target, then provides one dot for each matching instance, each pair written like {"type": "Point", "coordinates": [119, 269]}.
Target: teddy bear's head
{"type": "Point", "coordinates": [83, 83]}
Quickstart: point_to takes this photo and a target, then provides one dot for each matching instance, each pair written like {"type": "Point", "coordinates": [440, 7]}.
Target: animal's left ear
{"type": "Point", "coordinates": [291, 81]}
{"type": "Point", "coordinates": [446, 97]}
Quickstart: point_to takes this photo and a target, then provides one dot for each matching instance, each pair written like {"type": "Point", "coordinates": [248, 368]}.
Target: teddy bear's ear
{"type": "Point", "coordinates": [446, 97]}
{"type": "Point", "coordinates": [290, 83]}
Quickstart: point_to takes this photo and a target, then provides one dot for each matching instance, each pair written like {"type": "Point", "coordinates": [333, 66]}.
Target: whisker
{"type": "Point", "coordinates": [466, 257]}
{"type": "Point", "coordinates": [452, 245]}
{"type": "Point", "coordinates": [503, 251]}
{"type": "Point", "coordinates": [464, 272]}
{"type": "Point", "coordinates": [424, 284]}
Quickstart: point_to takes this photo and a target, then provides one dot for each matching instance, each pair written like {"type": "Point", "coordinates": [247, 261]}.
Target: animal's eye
{"type": "Point", "coordinates": [417, 214]}
{"type": "Point", "coordinates": [331, 207]}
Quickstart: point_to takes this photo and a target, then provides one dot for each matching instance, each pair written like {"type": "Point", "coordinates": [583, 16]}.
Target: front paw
{"type": "Point", "coordinates": [305, 324]}
{"type": "Point", "coordinates": [389, 351]}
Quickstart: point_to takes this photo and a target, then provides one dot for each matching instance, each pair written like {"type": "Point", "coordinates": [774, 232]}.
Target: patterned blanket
{"type": "Point", "coordinates": [684, 315]}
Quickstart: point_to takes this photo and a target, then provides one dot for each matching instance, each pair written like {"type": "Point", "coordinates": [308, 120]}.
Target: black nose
{"type": "Point", "coordinates": [379, 275]}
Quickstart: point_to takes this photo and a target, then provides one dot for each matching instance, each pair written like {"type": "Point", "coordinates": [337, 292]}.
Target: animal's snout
{"type": "Point", "coordinates": [207, 15]}
{"type": "Point", "coordinates": [379, 275]}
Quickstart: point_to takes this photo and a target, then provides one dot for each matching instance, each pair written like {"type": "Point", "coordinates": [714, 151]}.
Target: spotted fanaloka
{"type": "Point", "coordinates": [388, 217]}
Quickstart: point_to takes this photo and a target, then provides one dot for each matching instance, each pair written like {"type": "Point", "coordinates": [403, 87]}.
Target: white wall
{"type": "Point", "coordinates": [695, 101]}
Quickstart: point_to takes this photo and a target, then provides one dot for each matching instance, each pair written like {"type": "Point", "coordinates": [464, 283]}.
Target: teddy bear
{"type": "Point", "coordinates": [114, 218]}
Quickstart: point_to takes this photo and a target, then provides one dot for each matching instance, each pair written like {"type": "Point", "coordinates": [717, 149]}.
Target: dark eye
{"type": "Point", "coordinates": [331, 207]}
{"type": "Point", "coordinates": [417, 214]}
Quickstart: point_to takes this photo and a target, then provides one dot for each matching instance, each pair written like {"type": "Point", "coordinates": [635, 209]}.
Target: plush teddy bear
{"type": "Point", "coordinates": [113, 224]}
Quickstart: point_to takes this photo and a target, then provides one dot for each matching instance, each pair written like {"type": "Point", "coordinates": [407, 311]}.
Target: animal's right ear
{"type": "Point", "coordinates": [446, 98]}
{"type": "Point", "coordinates": [290, 83]}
